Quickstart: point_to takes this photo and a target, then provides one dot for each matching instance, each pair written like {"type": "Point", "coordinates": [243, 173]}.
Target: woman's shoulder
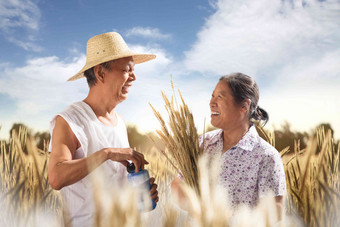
{"type": "Point", "coordinates": [267, 150]}
{"type": "Point", "coordinates": [211, 134]}
{"type": "Point", "coordinates": [210, 137]}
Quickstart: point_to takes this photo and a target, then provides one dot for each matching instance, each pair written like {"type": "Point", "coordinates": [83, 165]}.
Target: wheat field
{"type": "Point", "coordinates": [312, 175]}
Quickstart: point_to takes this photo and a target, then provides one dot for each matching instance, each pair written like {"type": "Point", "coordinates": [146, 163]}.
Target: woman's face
{"type": "Point", "coordinates": [225, 113]}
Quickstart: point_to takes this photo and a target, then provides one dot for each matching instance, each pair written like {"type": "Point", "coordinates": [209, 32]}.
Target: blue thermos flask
{"type": "Point", "coordinates": [140, 181]}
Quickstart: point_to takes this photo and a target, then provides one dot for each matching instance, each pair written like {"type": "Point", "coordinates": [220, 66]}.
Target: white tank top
{"type": "Point", "coordinates": [92, 136]}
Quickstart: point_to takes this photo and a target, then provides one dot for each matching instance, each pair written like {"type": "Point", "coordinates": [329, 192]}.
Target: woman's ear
{"type": "Point", "coordinates": [99, 73]}
{"type": "Point", "coordinates": [246, 105]}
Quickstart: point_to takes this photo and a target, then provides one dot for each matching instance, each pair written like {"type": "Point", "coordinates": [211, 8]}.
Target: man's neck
{"type": "Point", "coordinates": [103, 108]}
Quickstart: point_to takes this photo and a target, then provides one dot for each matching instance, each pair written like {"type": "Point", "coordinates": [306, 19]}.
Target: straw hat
{"type": "Point", "coordinates": [106, 47]}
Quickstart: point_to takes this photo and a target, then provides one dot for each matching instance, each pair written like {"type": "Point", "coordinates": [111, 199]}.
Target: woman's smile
{"type": "Point", "coordinates": [215, 113]}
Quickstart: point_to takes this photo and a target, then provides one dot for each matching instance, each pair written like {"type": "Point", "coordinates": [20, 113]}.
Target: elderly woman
{"type": "Point", "coordinates": [90, 135]}
{"type": "Point", "coordinates": [250, 166]}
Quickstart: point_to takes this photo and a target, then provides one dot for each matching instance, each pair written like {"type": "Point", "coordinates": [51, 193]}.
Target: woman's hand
{"type": "Point", "coordinates": [179, 195]}
{"type": "Point", "coordinates": [122, 155]}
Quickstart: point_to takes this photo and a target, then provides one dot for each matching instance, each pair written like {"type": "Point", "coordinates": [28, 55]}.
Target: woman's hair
{"type": "Point", "coordinates": [91, 77]}
{"type": "Point", "coordinates": [244, 87]}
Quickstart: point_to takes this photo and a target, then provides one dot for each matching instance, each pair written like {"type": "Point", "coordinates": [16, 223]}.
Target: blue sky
{"type": "Point", "coordinates": [291, 48]}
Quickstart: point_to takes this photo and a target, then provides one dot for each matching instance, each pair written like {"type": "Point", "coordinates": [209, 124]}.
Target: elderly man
{"type": "Point", "coordinates": [90, 135]}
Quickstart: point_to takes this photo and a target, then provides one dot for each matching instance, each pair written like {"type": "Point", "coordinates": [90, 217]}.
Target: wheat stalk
{"type": "Point", "coordinates": [24, 185]}
{"type": "Point", "coordinates": [180, 138]}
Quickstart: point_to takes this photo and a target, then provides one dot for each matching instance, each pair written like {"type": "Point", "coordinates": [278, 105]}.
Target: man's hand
{"type": "Point", "coordinates": [153, 191]}
{"type": "Point", "coordinates": [123, 154]}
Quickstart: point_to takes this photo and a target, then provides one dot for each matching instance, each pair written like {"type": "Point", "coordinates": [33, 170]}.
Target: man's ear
{"type": "Point", "coordinates": [99, 72]}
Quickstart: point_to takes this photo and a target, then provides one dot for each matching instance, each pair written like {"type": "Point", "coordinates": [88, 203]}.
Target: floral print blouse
{"type": "Point", "coordinates": [249, 170]}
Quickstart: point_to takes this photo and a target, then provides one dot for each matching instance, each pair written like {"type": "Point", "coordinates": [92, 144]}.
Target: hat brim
{"type": "Point", "coordinates": [137, 59]}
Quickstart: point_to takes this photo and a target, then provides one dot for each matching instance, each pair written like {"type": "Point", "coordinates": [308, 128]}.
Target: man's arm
{"type": "Point", "coordinates": [63, 171]}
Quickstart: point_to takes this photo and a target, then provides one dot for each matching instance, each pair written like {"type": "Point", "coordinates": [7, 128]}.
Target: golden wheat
{"type": "Point", "coordinates": [180, 139]}
{"type": "Point", "coordinates": [313, 191]}
{"type": "Point", "coordinates": [313, 182]}
{"type": "Point", "coordinates": [24, 186]}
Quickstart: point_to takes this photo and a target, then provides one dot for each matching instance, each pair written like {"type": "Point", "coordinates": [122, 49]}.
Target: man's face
{"type": "Point", "coordinates": [119, 80]}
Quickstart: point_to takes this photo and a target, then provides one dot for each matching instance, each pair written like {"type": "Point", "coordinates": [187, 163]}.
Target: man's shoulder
{"type": "Point", "coordinates": [71, 114]}
{"type": "Point", "coordinates": [76, 112]}
{"type": "Point", "coordinates": [74, 107]}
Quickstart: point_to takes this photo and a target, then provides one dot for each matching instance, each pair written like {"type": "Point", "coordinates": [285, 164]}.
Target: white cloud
{"type": "Point", "coordinates": [147, 32]}
{"type": "Point", "coordinates": [251, 36]}
{"type": "Point", "coordinates": [290, 47]}
{"type": "Point", "coordinates": [213, 4]}
{"type": "Point", "coordinates": [26, 45]}
{"type": "Point", "coordinates": [18, 16]}
{"type": "Point", "coordinates": [151, 77]}
{"type": "Point", "coordinates": [154, 77]}
{"type": "Point", "coordinates": [19, 13]}
{"type": "Point", "coordinates": [39, 90]}
{"type": "Point", "coordinates": [292, 51]}
{"type": "Point", "coordinates": [306, 94]}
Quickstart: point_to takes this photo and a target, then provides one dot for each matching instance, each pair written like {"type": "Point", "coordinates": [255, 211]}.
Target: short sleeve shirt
{"type": "Point", "coordinates": [249, 170]}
